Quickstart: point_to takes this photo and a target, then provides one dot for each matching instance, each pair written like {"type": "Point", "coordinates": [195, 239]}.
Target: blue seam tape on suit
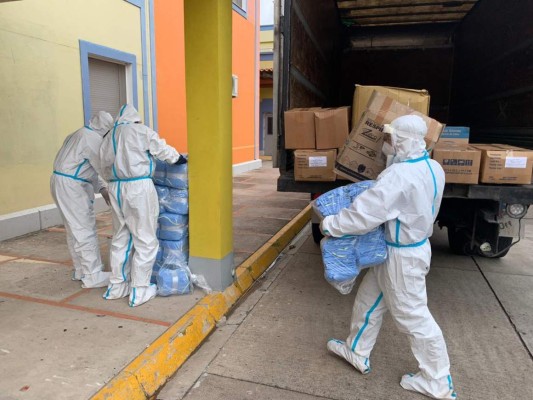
{"type": "Point", "coordinates": [126, 259]}
{"type": "Point", "coordinates": [367, 317]}
{"type": "Point", "coordinates": [417, 244]}
{"type": "Point", "coordinates": [71, 177]}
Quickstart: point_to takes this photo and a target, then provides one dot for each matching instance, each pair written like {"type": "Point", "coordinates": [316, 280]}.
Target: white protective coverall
{"type": "Point", "coordinates": [127, 163]}
{"type": "Point", "coordinates": [73, 184]}
{"type": "Point", "coordinates": [406, 198]}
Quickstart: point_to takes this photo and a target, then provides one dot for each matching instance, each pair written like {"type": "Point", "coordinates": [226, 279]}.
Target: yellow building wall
{"type": "Point", "coordinates": [267, 93]}
{"type": "Point", "coordinates": [267, 40]}
{"type": "Point", "coordinates": [41, 86]}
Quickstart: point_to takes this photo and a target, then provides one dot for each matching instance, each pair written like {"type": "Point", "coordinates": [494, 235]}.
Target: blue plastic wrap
{"type": "Point", "coordinates": [177, 176]}
{"type": "Point", "coordinates": [155, 270]}
{"type": "Point", "coordinates": [160, 172]}
{"type": "Point", "coordinates": [340, 259]}
{"type": "Point", "coordinates": [345, 257]}
{"type": "Point", "coordinates": [176, 201]}
{"type": "Point", "coordinates": [173, 226]}
{"type": "Point", "coordinates": [332, 202]}
{"type": "Point", "coordinates": [175, 253]}
{"type": "Point", "coordinates": [172, 281]}
{"type": "Point", "coordinates": [162, 195]}
{"type": "Point", "coordinates": [371, 248]}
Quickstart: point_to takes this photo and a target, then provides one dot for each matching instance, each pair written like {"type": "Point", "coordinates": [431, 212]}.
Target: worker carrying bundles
{"type": "Point", "coordinates": [345, 257]}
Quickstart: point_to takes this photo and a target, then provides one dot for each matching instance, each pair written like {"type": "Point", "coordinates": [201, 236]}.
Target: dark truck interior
{"type": "Point", "coordinates": [474, 57]}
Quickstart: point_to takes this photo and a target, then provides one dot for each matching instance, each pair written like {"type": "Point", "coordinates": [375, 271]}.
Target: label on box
{"type": "Point", "coordinates": [457, 162]}
{"type": "Point", "coordinates": [515, 162]}
{"type": "Point", "coordinates": [317, 162]}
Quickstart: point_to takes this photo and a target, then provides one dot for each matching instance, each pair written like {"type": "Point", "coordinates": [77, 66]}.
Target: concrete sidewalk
{"type": "Point", "coordinates": [273, 345]}
{"type": "Point", "coordinates": [58, 341]}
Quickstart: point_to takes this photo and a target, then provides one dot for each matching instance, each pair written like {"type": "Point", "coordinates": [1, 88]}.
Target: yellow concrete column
{"type": "Point", "coordinates": [208, 84]}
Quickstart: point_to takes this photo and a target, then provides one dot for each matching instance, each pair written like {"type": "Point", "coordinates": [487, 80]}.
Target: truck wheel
{"type": "Point", "coordinates": [458, 241]}
{"type": "Point", "coordinates": [317, 235]}
{"type": "Point", "coordinates": [504, 243]}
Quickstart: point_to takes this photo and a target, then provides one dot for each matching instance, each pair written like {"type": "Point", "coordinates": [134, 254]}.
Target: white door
{"type": "Point", "coordinates": [107, 86]}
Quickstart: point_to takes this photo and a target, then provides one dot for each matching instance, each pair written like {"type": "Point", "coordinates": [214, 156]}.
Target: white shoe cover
{"type": "Point", "coordinates": [117, 291]}
{"type": "Point", "coordinates": [342, 350]}
{"type": "Point", "coordinates": [76, 275]}
{"type": "Point", "coordinates": [140, 295]}
{"type": "Point", "coordinates": [96, 280]}
{"type": "Point", "coordinates": [434, 388]}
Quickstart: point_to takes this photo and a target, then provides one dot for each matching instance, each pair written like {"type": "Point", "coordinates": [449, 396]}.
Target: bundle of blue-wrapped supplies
{"type": "Point", "coordinates": [171, 271]}
{"type": "Point", "coordinates": [345, 257]}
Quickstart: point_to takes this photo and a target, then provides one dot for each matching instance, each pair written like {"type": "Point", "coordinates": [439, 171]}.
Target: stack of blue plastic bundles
{"type": "Point", "coordinates": [162, 194]}
{"type": "Point", "coordinates": [171, 253]}
{"type": "Point", "coordinates": [345, 257]}
{"type": "Point", "coordinates": [173, 281]}
{"type": "Point", "coordinates": [177, 176]}
{"type": "Point", "coordinates": [160, 172]}
{"type": "Point", "coordinates": [177, 201]}
{"type": "Point", "coordinates": [170, 271]}
{"type": "Point", "coordinates": [173, 226]}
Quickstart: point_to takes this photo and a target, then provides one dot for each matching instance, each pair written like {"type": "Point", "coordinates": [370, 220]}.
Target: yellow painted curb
{"type": "Point", "coordinates": [150, 370]}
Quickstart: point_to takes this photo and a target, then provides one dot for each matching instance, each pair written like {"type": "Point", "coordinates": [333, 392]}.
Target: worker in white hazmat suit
{"type": "Point", "coordinates": [127, 163]}
{"type": "Point", "coordinates": [73, 184]}
{"type": "Point", "coordinates": [406, 198]}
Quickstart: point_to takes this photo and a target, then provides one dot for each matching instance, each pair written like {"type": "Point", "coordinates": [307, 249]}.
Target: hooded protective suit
{"type": "Point", "coordinates": [406, 198]}
{"type": "Point", "coordinates": [127, 163]}
{"type": "Point", "coordinates": [73, 184]}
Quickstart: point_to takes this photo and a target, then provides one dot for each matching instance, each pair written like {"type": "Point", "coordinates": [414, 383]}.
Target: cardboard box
{"type": "Point", "coordinates": [314, 165]}
{"type": "Point", "coordinates": [332, 127]}
{"type": "Point", "coordinates": [300, 128]}
{"type": "Point", "coordinates": [361, 157]}
{"type": "Point", "coordinates": [460, 163]}
{"type": "Point", "coordinates": [418, 100]}
{"type": "Point", "coordinates": [504, 164]}
{"type": "Point", "coordinates": [454, 136]}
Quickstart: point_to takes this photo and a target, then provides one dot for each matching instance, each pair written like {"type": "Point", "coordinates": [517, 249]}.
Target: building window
{"type": "Point", "coordinates": [108, 79]}
{"type": "Point", "coordinates": [241, 7]}
{"type": "Point", "coordinates": [108, 86]}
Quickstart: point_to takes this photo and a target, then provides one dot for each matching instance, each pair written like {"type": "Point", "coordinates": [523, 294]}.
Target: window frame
{"type": "Point", "coordinates": [242, 11]}
{"type": "Point", "coordinates": [92, 50]}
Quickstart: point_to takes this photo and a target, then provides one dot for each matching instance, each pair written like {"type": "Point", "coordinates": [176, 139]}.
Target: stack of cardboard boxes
{"type": "Point", "coordinates": [361, 158]}
{"type": "Point", "coordinates": [481, 163]}
{"type": "Point", "coordinates": [316, 134]}
{"type": "Point", "coordinates": [324, 148]}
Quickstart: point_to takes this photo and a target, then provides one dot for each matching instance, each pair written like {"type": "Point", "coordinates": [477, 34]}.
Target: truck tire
{"type": "Point", "coordinates": [317, 235]}
{"type": "Point", "coordinates": [458, 241]}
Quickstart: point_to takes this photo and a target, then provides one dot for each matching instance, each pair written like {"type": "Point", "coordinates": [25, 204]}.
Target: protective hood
{"type": "Point", "coordinates": [407, 137]}
{"type": "Point", "coordinates": [128, 114]}
{"type": "Point", "coordinates": [101, 123]}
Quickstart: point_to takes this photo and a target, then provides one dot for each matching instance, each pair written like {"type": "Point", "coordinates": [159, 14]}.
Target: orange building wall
{"type": "Point", "coordinates": [170, 74]}
{"type": "Point", "coordinates": [243, 57]}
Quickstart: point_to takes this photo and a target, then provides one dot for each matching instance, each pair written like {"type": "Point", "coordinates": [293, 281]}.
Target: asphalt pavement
{"type": "Point", "coordinates": [273, 344]}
